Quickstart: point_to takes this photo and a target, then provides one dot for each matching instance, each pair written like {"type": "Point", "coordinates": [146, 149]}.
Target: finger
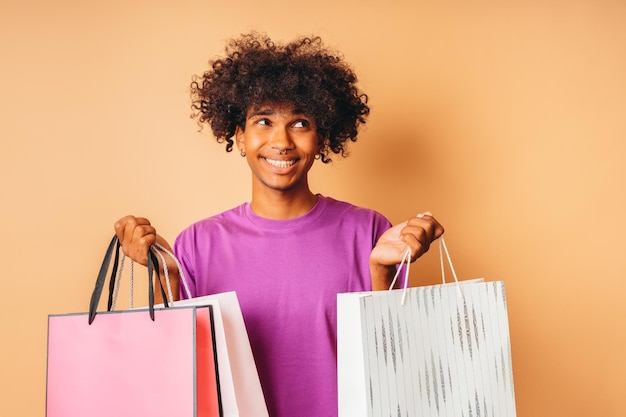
{"type": "Point", "coordinates": [423, 226]}
{"type": "Point", "coordinates": [142, 233]}
{"type": "Point", "coordinates": [429, 223]}
{"type": "Point", "coordinates": [437, 227]}
{"type": "Point", "coordinates": [420, 232]}
{"type": "Point", "coordinates": [418, 245]}
{"type": "Point", "coordinates": [142, 238]}
{"type": "Point", "coordinates": [120, 227]}
{"type": "Point", "coordinates": [137, 236]}
{"type": "Point", "coordinates": [121, 224]}
{"type": "Point", "coordinates": [131, 224]}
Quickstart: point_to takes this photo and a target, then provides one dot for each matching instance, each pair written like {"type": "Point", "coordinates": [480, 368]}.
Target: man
{"type": "Point", "coordinates": [289, 251]}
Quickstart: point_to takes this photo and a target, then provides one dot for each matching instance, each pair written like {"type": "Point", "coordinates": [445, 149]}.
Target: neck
{"type": "Point", "coordinates": [282, 205]}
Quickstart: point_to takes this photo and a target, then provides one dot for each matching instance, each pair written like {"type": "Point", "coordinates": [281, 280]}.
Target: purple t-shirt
{"type": "Point", "coordinates": [287, 274]}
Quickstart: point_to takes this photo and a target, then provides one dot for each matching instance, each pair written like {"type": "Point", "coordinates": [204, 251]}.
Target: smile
{"type": "Point", "coordinates": [280, 164]}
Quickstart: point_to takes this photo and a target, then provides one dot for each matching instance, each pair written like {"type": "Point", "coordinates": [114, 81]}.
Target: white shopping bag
{"type": "Point", "coordinates": [239, 385]}
{"type": "Point", "coordinates": [440, 350]}
{"type": "Point", "coordinates": [238, 379]}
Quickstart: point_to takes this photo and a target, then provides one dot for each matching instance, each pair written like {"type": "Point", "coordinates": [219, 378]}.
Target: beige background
{"type": "Point", "coordinates": [506, 120]}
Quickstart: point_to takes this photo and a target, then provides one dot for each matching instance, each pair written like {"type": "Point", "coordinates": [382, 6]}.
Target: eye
{"type": "Point", "coordinates": [263, 121]}
{"type": "Point", "coordinates": [302, 123]}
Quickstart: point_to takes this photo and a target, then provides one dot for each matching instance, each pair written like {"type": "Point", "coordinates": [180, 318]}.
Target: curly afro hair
{"type": "Point", "coordinates": [302, 73]}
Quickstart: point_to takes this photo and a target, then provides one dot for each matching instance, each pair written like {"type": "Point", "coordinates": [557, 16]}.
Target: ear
{"type": "Point", "coordinates": [239, 138]}
{"type": "Point", "coordinates": [320, 142]}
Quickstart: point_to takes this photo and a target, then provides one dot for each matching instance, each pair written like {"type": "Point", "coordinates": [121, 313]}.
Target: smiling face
{"type": "Point", "coordinates": [280, 145]}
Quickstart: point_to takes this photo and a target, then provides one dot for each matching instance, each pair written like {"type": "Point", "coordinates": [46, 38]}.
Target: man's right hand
{"type": "Point", "coordinates": [136, 235]}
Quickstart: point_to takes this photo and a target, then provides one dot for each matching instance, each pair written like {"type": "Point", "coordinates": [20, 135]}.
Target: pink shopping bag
{"type": "Point", "coordinates": [148, 362]}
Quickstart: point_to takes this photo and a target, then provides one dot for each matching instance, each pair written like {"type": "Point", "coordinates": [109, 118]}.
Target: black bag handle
{"type": "Point", "coordinates": [153, 265]}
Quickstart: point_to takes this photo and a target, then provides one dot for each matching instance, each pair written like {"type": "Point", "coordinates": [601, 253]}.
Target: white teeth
{"type": "Point", "coordinates": [280, 164]}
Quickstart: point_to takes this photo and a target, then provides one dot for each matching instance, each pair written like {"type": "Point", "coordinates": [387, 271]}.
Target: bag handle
{"type": "Point", "coordinates": [406, 261]}
{"type": "Point", "coordinates": [114, 285]}
{"type": "Point", "coordinates": [114, 247]}
{"type": "Point", "coordinates": [156, 248]}
{"type": "Point", "coordinates": [181, 274]}
{"type": "Point", "coordinates": [442, 245]}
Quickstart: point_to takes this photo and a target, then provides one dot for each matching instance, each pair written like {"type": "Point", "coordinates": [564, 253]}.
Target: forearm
{"type": "Point", "coordinates": [381, 275]}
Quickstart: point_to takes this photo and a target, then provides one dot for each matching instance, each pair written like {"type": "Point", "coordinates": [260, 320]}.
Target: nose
{"type": "Point", "coordinates": [281, 140]}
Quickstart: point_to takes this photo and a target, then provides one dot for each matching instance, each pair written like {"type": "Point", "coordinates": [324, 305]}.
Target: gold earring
{"type": "Point", "coordinates": [242, 152]}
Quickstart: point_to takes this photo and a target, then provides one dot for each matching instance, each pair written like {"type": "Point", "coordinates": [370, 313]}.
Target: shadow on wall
{"type": "Point", "coordinates": [400, 160]}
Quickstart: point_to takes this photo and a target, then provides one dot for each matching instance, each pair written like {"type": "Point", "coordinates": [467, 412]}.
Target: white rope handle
{"type": "Point", "coordinates": [117, 283]}
{"type": "Point", "coordinates": [131, 284]}
{"type": "Point", "coordinates": [156, 248]}
{"type": "Point", "coordinates": [165, 271]}
{"type": "Point", "coordinates": [131, 280]}
{"type": "Point", "coordinates": [442, 245]}
{"type": "Point", "coordinates": [406, 259]}
{"type": "Point", "coordinates": [178, 265]}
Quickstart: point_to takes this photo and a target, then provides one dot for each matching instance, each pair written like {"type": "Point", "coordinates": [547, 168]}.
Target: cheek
{"type": "Point", "coordinates": [311, 145]}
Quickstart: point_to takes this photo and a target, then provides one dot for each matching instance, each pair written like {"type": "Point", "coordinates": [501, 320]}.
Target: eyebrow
{"type": "Point", "coordinates": [261, 112]}
{"type": "Point", "coordinates": [267, 111]}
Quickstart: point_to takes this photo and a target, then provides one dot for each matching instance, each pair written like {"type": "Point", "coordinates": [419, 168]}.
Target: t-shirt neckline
{"type": "Point", "coordinates": [297, 222]}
